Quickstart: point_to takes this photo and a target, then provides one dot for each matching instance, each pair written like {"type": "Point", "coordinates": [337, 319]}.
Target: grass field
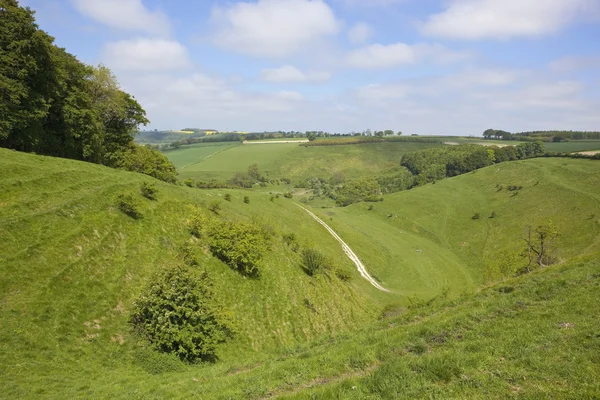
{"type": "Point", "coordinates": [72, 264]}
{"type": "Point", "coordinates": [292, 160]}
{"type": "Point", "coordinates": [186, 156]}
{"type": "Point", "coordinates": [568, 147]}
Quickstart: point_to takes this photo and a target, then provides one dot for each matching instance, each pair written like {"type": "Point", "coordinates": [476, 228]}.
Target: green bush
{"type": "Point", "coordinates": [177, 313]}
{"type": "Point", "coordinates": [189, 182]}
{"type": "Point", "coordinates": [148, 190]}
{"type": "Point", "coordinates": [313, 262]}
{"type": "Point", "coordinates": [147, 161]}
{"type": "Point", "coordinates": [246, 200]}
{"type": "Point", "coordinates": [128, 205]}
{"type": "Point", "coordinates": [227, 197]}
{"type": "Point", "coordinates": [288, 195]}
{"type": "Point", "coordinates": [476, 216]}
{"type": "Point", "coordinates": [241, 245]}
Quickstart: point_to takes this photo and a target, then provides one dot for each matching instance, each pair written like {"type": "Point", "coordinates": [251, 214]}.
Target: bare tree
{"type": "Point", "coordinates": [539, 244]}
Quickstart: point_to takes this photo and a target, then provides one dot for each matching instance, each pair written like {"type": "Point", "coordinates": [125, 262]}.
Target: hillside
{"type": "Point", "coordinates": [72, 265]}
{"type": "Point", "coordinates": [293, 161]}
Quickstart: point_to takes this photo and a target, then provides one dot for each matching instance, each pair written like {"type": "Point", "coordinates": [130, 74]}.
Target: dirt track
{"type": "Point", "coordinates": [351, 255]}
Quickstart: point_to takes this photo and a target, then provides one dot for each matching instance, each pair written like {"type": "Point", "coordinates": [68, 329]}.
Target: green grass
{"type": "Point", "coordinates": [196, 153]}
{"type": "Point", "coordinates": [295, 161]}
{"type": "Point", "coordinates": [72, 264]}
{"type": "Point", "coordinates": [424, 239]}
{"type": "Point", "coordinates": [578, 145]}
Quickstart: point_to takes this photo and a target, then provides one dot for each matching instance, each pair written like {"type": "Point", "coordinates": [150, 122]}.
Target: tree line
{"type": "Point", "coordinates": [545, 136]}
{"type": "Point", "coordinates": [53, 104]}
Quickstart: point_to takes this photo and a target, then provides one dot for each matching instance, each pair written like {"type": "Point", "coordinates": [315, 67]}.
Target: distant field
{"type": "Point", "coordinates": [188, 155]}
{"type": "Point", "coordinates": [568, 147]}
{"type": "Point", "coordinates": [292, 160]}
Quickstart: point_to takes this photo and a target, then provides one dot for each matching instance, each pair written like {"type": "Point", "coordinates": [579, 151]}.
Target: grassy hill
{"type": "Point", "coordinates": [290, 160]}
{"type": "Point", "coordinates": [72, 265]}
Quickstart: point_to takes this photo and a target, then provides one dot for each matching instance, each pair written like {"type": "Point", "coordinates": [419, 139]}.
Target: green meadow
{"type": "Point", "coordinates": [457, 322]}
{"type": "Point", "coordinates": [290, 160]}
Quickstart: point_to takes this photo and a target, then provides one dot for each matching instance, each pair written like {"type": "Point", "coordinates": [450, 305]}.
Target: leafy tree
{"type": "Point", "coordinates": [177, 313]}
{"type": "Point", "coordinates": [311, 136]}
{"type": "Point", "coordinates": [379, 134]}
{"type": "Point", "coordinates": [388, 132]}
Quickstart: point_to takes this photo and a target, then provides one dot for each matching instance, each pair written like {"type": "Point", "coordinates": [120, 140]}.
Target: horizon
{"type": "Point", "coordinates": [449, 68]}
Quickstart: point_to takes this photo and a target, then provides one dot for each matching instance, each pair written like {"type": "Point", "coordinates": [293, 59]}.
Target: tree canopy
{"type": "Point", "coordinates": [53, 104]}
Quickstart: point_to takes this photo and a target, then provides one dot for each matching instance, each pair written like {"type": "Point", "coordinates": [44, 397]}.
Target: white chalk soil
{"type": "Point", "coordinates": [351, 255]}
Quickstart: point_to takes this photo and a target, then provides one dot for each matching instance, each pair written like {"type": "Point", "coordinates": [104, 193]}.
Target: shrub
{"type": "Point", "coordinates": [493, 214]}
{"type": "Point", "coordinates": [476, 216]}
{"type": "Point", "coordinates": [313, 262]}
{"type": "Point", "coordinates": [246, 199]}
{"type": "Point", "coordinates": [148, 190]}
{"type": "Point", "coordinates": [147, 161]}
{"type": "Point", "coordinates": [177, 313]}
{"type": "Point", "coordinates": [128, 205]}
{"type": "Point", "coordinates": [188, 182]}
{"type": "Point", "coordinates": [215, 206]}
{"type": "Point", "coordinates": [197, 221]}
{"type": "Point", "coordinates": [241, 245]}
{"type": "Point", "coordinates": [227, 197]}
{"type": "Point", "coordinates": [288, 195]}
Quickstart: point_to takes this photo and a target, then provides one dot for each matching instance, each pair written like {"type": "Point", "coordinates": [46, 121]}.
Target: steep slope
{"type": "Point", "coordinates": [72, 264]}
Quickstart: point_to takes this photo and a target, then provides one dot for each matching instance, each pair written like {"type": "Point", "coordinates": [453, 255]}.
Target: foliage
{"type": "Point", "coordinates": [189, 182]}
{"type": "Point", "coordinates": [239, 244]}
{"type": "Point", "coordinates": [340, 141]}
{"type": "Point", "coordinates": [246, 200]}
{"type": "Point", "coordinates": [476, 216]}
{"type": "Point", "coordinates": [313, 262]}
{"type": "Point", "coordinates": [177, 313]}
{"type": "Point", "coordinates": [288, 195]}
{"type": "Point", "coordinates": [55, 105]}
{"type": "Point", "coordinates": [227, 197]}
{"type": "Point", "coordinates": [148, 190]}
{"type": "Point", "coordinates": [539, 244]}
{"type": "Point", "coordinates": [146, 161]}
{"type": "Point", "coordinates": [128, 205]}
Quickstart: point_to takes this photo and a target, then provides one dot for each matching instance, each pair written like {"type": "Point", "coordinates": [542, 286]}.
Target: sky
{"type": "Point", "coordinates": [449, 67]}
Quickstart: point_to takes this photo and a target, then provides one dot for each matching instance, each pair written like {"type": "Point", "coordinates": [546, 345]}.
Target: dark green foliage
{"type": "Point", "coordinates": [246, 199]}
{"type": "Point", "coordinates": [227, 197]}
{"type": "Point", "coordinates": [129, 206]}
{"type": "Point", "coordinates": [289, 238]}
{"type": "Point", "coordinates": [313, 262]}
{"type": "Point", "coordinates": [148, 190]}
{"type": "Point", "coordinates": [476, 216]}
{"type": "Point", "coordinates": [53, 104]}
{"type": "Point", "coordinates": [288, 195]}
{"type": "Point", "coordinates": [189, 182]}
{"type": "Point", "coordinates": [493, 214]}
{"type": "Point", "coordinates": [239, 244]}
{"type": "Point", "coordinates": [157, 363]}
{"type": "Point", "coordinates": [178, 314]}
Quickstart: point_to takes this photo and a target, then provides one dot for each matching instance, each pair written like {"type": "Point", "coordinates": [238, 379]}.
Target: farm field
{"type": "Point", "coordinates": [196, 153]}
{"type": "Point", "coordinates": [576, 145]}
{"type": "Point", "coordinates": [294, 161]}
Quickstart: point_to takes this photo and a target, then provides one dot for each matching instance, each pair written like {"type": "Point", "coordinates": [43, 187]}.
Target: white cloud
{"type": "Point", "coordinates": [291, 74]}
{"type": "Point", "coordinates": [503, 19]}
{"type": "Point", "coordinates": [146, 55]}
{"type": "Point", "coordinates": [129, 15]}
{"type": "Point", "coordinates": [273, 28]}
{"type": "Point", "coordinates": [360, 33]}
{"type": "Point", "coordinates": [575, 63]}
{"type": "Point", "coordinates": [398, 54]}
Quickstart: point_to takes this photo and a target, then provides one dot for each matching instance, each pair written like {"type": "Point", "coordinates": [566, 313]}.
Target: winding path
{"type": "Point", "coordinates": [351, 255]}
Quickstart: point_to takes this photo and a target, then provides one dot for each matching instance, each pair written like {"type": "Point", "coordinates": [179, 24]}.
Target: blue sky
{"type": "Point", "coordinates": [419, 66]}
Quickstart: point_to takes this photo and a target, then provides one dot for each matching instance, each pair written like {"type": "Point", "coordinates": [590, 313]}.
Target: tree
{"type": "Point", "coordinates": [399, 133]}
{"type": "Point", "coordinates": [147, 161]}
{"type": "Point", "coordinates": [539, 244]}
{"type": "Point", "coordinates": [311, 136]}
{"type": "Point", "coordinates": [388, 132]}
{"type": "Point", "coordinates": [488, 133]}
{"type": "Point", "coordinates": [379, 133]}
